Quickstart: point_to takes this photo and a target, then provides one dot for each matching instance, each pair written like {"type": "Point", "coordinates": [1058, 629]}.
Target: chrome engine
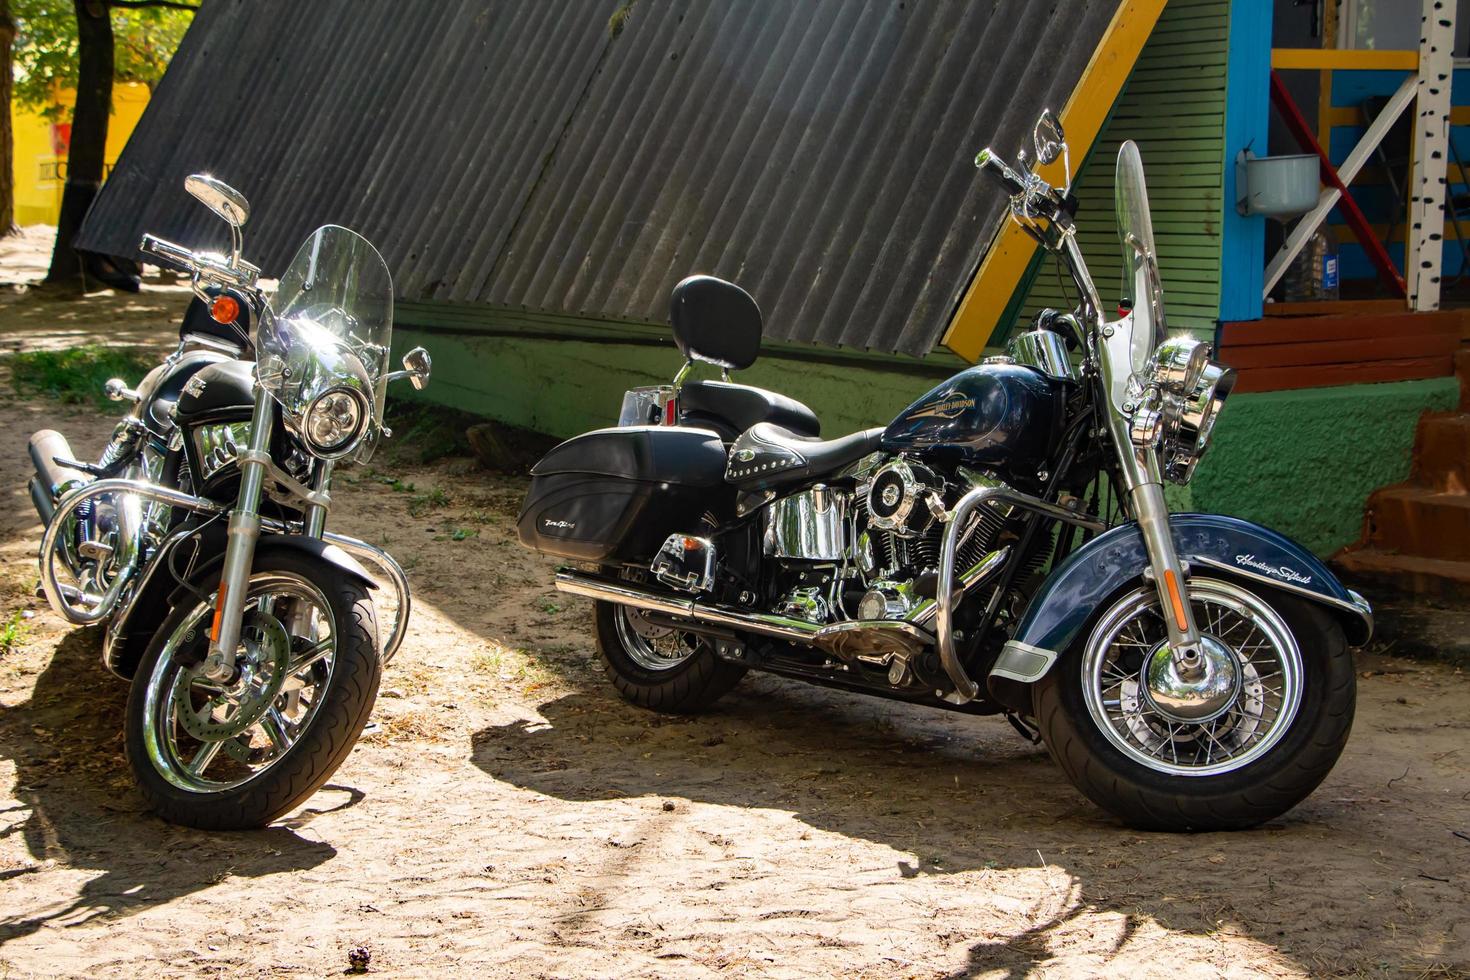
{"type": "Point", "coordinates": [862, 556]}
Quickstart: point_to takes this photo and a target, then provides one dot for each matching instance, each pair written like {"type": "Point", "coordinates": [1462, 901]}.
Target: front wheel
{"type": "Point", "coordinates": [237, 755]}
{"type": "Point", "coordinates": [1241, 744]}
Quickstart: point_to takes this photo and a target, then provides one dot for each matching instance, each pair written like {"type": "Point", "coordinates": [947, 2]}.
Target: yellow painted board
{"type": "Point", "coordinates": [1318, 59]}
{"type": "Point", "coordinates": [40, 171]}
{"type": "Point", "coordinates": [1082, 118]}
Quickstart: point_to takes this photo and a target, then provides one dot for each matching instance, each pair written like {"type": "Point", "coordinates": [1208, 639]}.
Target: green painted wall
{"type": "Point", "coordinates": [563, 387]}
{"type": "Point", "coordinates": [1304, 462]}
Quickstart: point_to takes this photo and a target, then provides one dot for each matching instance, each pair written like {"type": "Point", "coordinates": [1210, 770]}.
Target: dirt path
{"type": "Point", "coordinates": [513, 818]}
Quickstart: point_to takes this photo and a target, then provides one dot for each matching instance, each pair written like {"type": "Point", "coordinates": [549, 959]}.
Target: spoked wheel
{"type": "Point", "coordinates": [240, 753]}
{"type": "Point", "coordinates": [658, 667]}
{"type": "Point", "coordinates": [1238, 742]}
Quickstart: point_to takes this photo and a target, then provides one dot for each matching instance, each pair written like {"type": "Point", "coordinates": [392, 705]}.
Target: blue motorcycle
{"type": "Point", "coordinates": [1002, 547]}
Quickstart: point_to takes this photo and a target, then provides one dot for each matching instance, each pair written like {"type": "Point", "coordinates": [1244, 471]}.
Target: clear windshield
{"type": "Point", "coordinates": [1142, 288]}
{"type": "Point", "coordinates": [336, 299]}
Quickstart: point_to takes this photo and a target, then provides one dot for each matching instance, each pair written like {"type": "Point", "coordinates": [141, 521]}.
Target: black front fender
{"type": "Point", "coordinates": [1226, 546]}
{"type": "Point", "coordinates": [195, 556]}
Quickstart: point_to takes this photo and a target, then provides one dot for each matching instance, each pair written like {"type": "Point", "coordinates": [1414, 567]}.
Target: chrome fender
{"type": "Point", "coordinates": [1207, 543]}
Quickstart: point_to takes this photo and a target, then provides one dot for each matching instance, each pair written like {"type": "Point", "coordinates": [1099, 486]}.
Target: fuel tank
{"type": "Point", "coordinates": [160, 389]}
{"type": "Point", "coordinates": [222, 392]}
{"type": "Point", "coordinates": [1000, 416]}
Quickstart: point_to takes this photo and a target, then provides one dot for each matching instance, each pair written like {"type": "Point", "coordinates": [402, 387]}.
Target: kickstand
{"type": "Point", "coordinates": [1028, 731]}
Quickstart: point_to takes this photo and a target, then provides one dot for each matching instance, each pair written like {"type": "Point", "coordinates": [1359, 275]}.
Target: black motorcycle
{"type": "Point", "coordinates": [1003, 546]}
{"type": "Point", "coordinates": [247, 630]}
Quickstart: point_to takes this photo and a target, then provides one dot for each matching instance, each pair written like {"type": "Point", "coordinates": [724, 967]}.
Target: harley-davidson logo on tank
{"type": "Point", "coordinates": [948, 406]}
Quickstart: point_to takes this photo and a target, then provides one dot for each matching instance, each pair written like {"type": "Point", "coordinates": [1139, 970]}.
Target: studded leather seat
{"type": "Point", "coordinates": [768, 455]}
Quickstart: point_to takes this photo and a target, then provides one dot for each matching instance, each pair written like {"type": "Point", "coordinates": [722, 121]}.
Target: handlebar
{"type": "Point", "coordinates": [1041, 199]}
{"type": "Point", "coordinates": [175, 255]}
{"type": "Point", "coordinates": [988, 161]}
{"type": "Point", "coordinates": [204, 266]}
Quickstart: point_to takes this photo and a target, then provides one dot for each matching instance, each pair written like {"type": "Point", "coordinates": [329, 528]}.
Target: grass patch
{"type": "Point", "coordinates": [12, 632]}
{"type": "Point", "coordinates": [75, 375]}
{"type": "Point", "coordinates": [424, 432]}
{"type": "Point", "coordinates": [421, 503]}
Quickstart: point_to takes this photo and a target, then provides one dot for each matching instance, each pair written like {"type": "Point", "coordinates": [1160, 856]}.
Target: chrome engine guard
{"type": "Point", "coordinates": [113, 601]}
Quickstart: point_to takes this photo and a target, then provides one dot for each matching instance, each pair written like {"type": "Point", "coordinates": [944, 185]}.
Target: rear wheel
{"type": "Point", "coordinates": [657, 667]}
{"type": "Point", "coordinates": [1242, 744]}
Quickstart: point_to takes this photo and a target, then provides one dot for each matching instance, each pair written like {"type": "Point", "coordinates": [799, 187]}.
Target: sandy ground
{"type": "Point", "coordinates": [511, 817]}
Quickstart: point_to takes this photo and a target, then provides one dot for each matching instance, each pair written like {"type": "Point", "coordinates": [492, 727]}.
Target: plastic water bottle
{"type": "Point", "coordinates": [1314, 274]}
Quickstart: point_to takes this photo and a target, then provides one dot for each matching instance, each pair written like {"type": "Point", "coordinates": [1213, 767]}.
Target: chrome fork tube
{"type": "Point", "coordinates": [316, 514]}
{"type": "Point", "coordinates": [1152, 514]}
{"type": "Point", "coordinates": [1139, 468]}
{"type": "Point", "coordinates": [243, 533]}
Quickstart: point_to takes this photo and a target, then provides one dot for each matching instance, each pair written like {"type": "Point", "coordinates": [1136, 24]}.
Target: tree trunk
{"type": "Point", "coordinates": [85, 160]}
{"type": "Point", "coordinates": [7, 137]}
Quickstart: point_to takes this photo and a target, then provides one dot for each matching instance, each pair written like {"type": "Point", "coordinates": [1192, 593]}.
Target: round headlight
{"type": "Point", "coordinates": [334, 422]}
{"type": "Point", "coordinates": [1192, 421]}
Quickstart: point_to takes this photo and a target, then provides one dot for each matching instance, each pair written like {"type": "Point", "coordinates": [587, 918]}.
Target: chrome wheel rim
{"type": "Point", "coordinates": [650, 646]}
{"type": "Point", "coordinates": [274, 708]}
{"type": "Point", "coordinates": [1266, 694]}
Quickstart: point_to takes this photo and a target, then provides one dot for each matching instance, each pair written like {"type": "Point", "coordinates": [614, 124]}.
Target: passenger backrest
{"type": "Point", "coordinates": [715, 321]}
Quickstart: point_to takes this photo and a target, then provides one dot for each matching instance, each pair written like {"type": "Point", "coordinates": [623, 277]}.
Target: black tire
{"type": "Point", "coordinates": [687, 688]}
{"type": "Point", "coordinates": [318, 750]}
{"type": "Point", "coordinates": [1266, 788]}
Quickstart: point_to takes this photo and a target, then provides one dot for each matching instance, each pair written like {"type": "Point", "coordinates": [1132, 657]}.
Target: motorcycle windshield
{"type": "Point", "coordinates": [333, 317]}
{"type": "Point", "coordinates": [1142, 288]}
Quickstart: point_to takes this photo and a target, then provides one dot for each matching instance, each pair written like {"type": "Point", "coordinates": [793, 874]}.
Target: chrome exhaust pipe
{"type": "Point", "coordinates": [902, 634]}
{"type": "Point", "coordinates": [41, 500]}
{"type": "Point", "coordinates": [625, 594]}
{"type": "Point", "coordinates": [51, 479]}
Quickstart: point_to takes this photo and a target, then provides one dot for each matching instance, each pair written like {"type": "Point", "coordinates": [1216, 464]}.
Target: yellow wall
{"type": "Point", "coordinates": [39, 173]}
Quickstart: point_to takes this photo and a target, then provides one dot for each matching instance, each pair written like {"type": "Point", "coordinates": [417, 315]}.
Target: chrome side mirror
{"type": "Point", "coordinates": [417, 364]}
{"type": "Point", "coordinates": [220, 198]}
{"type": "Point", "coordinates": [1047, 138]}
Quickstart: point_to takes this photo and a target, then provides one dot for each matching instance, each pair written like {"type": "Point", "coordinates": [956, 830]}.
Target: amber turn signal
{"type": "Point", "coordinates": [225, 309]}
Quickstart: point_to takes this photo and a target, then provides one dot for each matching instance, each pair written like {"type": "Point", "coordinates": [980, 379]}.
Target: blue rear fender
{"type": "Point", "coordinates": [1210, 544]}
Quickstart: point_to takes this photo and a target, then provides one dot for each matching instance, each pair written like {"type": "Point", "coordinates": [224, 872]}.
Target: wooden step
{"type": "Point", "coordinates": [1442, 452]}
{"type": "Point", "coordinates": [1421, 522]}
{"type": "Point", "coordinates": [1373, 570]}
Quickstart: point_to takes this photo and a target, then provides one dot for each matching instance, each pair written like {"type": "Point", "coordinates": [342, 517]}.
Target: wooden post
{"type": "Point", "coordinates": [1427, 188]}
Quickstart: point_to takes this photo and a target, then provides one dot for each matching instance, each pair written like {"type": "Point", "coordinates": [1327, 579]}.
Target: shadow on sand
{"type": "Point", "coordinates": [959, 794]}
{"type": "Point", "coordinates": [77, 805]}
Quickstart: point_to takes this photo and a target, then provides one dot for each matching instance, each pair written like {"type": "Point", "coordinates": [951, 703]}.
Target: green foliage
{"type": "Point", "coordinates": [76, 375]}
{"type": "Point", "coordinates": [421, 503]}
{"type": "Point", "coordinates": [144, 40]}
{"type": "Point", "coordinates": [12, 632]}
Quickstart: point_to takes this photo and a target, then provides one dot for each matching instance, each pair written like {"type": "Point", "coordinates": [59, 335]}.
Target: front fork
{"type": "Point", "coordinates": [1146, 494]}
{"type": "Point", "coordinates": [244, 532]}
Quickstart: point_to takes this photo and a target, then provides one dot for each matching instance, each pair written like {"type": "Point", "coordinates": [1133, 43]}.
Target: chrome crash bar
{"type": "Point", "coordinates": [104, 605]}
{"type": "Point", "coordinates": [965, 689]}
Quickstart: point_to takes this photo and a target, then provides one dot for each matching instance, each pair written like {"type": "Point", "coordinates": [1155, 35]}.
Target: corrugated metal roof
{"type": "Point", "coordinates": [528, 155]}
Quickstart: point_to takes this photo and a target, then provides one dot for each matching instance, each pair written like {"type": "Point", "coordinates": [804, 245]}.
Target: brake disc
{"type": "Point", "coordinates": [229, 714]}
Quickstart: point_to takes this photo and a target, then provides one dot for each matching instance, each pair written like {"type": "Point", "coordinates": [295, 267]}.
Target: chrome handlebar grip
{"type": "Point", "coordinates": [171, 253]}
{"type": "Point", "coordinates": [988, 161]}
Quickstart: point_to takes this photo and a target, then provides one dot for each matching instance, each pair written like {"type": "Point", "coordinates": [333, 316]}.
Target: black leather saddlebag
{"type": "Point", "coordinates": [614, 495]}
